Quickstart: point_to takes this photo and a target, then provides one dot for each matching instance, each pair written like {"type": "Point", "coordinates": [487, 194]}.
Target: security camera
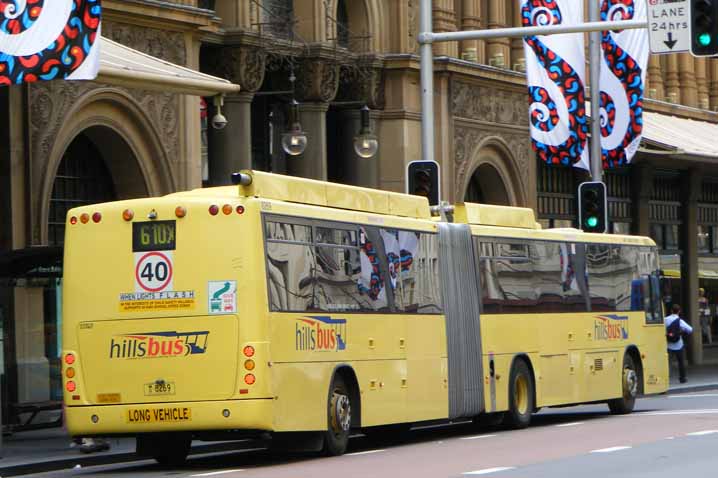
{"type": "Point", "coordinates": [219, 121]}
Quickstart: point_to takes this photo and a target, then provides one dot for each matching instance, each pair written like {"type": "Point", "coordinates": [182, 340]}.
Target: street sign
{"type": "Point", "coordinates": [668, 26]}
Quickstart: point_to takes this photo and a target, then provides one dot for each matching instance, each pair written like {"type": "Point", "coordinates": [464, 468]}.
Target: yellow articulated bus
{"type": "Point", "coordinates": [284, 305]}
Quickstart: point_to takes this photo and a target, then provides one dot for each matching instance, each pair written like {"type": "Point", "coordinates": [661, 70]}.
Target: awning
{"type": "Point", "coordinates": [702, 274]}
{"type": "Point", "coordinates": [121, 65]}
{"type": "Point", "coordinates": [680, 136]}
{"type": "Point", "coordinates": [40, 261]}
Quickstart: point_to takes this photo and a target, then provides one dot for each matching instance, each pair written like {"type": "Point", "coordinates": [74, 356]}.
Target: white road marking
{"type": "Point", "coordinates": [477, 437]}
{"type": "Point", "coordinates": [215, 473]}
{"type": "Point", "coordinates": [368, 452]}
{"type": "Point", "coordinates": [670, 438]}
{"type": "Point", "coordinates": [611, 449]}
{"type": "Point", "coordinates": [486, 471]}
{"type": "Point", "coordinates": [701, 433]}
{"type": "Point", "coordinates": [694, 395]}
{"type": "Point", "coordinates": [708, 411]}
{"type": "Point", "coordinates": [572, 424]}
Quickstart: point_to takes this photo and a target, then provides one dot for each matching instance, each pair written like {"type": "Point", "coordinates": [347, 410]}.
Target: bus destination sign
{"type": "Point", "coordinates": [153, 236]}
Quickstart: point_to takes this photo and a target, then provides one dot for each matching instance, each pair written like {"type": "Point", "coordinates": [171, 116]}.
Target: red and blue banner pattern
{"type": "Point", "coordinates": [44, 40]}
{"type": "Point", "coordinates": [623, 75]}
{"type": "Point", "coordinates": [555, 71]}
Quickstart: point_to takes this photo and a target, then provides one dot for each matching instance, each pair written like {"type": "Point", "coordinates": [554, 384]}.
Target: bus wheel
{"type": "Point", "coordinates": [629, 385]}
{"type": "Point", "coordinates": [169, 449]}
{"type": "Point", "coordinates": [339, 418]}
{"type": "Point", "coordinates": [521, 396]}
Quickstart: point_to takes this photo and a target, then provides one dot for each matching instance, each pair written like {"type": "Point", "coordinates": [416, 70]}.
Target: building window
{"type": "Point", "coordinates": [623, 228]}
{"type": "Point", "coordinates": [278, 17]}
{"type": "Point", "coordinates": [704, 239]}
{"type": "Point", "coordinates": [342, 23]}
{"type": "Point", "coordinates": [81, 179]}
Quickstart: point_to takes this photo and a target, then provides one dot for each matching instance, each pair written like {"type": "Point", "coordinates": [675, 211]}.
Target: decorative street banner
{"type": "Point", "coordinates": [48, 40]}
{"type": "Point", "coordinates": [623, 75]}
{"type": "Point", "coordinates": [555, 71]}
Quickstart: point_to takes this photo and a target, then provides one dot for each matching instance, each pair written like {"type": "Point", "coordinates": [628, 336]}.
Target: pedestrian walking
{"type": "Point", "coordinates": [676, 328]}
{"type": "Point", "coordinates": [704, 312]}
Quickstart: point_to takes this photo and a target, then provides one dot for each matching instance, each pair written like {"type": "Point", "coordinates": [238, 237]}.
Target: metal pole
{"type": "Point", "coordinates": [427, 83]}
{"type": "Point", "coordinates": [595, 67]}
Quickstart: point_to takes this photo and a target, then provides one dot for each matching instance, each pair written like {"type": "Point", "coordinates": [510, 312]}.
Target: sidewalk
{"type": "Point", "coordinates": [47, 450]}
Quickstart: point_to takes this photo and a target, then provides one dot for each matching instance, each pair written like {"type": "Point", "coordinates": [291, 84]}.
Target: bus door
{"type": "Point", "coordinates": [460, 286]}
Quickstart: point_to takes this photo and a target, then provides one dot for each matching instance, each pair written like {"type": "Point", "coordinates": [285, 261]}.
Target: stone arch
{"type": "Point", "coordinates": [365, 17]}
{"type": "Point", "coordinates": [128, 140]}
{"type": "Point", "coordinates": [503, 184]}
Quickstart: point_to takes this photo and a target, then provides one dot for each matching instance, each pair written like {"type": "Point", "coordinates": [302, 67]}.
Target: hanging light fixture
{"type": "Point", "coordinates": [365, 143]}
{"type": "Point", "coordinates": [294, 141]}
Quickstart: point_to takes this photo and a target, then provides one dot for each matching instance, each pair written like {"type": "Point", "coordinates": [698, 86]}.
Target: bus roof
{"type": "Point", "coordinates": [490, 215]}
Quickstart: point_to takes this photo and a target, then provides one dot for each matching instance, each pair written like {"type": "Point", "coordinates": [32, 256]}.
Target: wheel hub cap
{"type": "Point", "coordinates": [631, 382]}
{"type": "Point", "coordinates": [341, 413]}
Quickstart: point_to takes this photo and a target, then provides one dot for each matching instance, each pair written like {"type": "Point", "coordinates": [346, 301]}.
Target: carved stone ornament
{"type": "Point", "coordinates": [245, 66]}
{"type": "Point", "coordinates": [413, 29]}
{"type": "Point", "coordinates": [317, 80]}
{"type": "Point", "coordinates": [489, 104]}
{"type": "Point", "coordinates": [362, 84]}
{"type": "Point", "coordinates": [468, 139]}
{"type": "Point", "coordinates": [164, 44]}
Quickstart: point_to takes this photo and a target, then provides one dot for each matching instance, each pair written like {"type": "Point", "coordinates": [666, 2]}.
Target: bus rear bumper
{"type": "Point", "coordinates": [252, 414]}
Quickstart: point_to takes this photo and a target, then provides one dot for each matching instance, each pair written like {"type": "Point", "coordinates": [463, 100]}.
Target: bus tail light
{"type": "Point", "coordinates": [70, 372]}
{"type": "Point", "coordinates": [240, 209]}
{"type": "Point", "coordinates": [73, 220]}
{"type": "Point", "coordinates": [180, 211]}
{"type": "Point", "coordinates": [248, 351]}
{"type": "Point", "coordinates": [249, 364]}
{"type": "Point", "coordinates": [96, 217]}
{"type": "Point", "coordinates": [227, 209]}
{"type": "Point", "coordinates": [69, 359]}
{"type": "Point", "coordinates": [128, 214]}
{"type": "Point", "coordinates": [84, 218]}
{"type": "Point", "coordinates": [249, 379]}
{"type": "Point", "coordinates": [214, 209]}
{"type": "Point", "coordinates": [70, 386]}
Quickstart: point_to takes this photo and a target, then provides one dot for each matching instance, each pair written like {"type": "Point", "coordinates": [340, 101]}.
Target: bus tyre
{"type": "Point", "coordinates": [629, 386]}
{"type": "Point", "coordinates": [169, 449]}
{"type": "Point", "coordinates": [339, 418]}
{"type": "Point", "coordinates": [521, 396]}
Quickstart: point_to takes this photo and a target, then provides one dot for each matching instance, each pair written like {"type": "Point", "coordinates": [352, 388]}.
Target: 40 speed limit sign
{"type": "Point", "coordinates": [153, 271]}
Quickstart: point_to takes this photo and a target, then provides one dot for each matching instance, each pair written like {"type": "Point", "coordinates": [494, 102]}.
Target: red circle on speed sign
{"type": "Point", "coordinates": [153, 271]}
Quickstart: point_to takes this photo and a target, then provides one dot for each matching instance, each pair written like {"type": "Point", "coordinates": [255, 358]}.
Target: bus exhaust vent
{"type": "Point", "coordinates": [598, 364]}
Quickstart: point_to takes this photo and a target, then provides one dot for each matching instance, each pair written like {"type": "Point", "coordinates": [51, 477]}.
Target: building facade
{"type": "Point", "coordinates": [73, 143]}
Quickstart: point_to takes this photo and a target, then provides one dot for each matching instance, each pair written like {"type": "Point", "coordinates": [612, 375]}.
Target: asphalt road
{"type": "Point", "coordinates": [668, 436]}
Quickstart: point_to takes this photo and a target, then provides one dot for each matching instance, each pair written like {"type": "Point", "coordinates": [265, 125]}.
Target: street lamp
{"type": "Point", "coordinates": [365, 143]}
{"type": "Point", "coordinates": [294, 141]}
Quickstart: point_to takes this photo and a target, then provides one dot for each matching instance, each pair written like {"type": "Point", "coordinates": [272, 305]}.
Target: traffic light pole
{"type": "Point", "coordinates": [426, 38]}
{"type": "Point", "coordinates": [594, 50]}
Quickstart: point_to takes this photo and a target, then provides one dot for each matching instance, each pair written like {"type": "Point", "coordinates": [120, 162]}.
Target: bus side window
{"type": "Point", "coordinates": [656, 298]}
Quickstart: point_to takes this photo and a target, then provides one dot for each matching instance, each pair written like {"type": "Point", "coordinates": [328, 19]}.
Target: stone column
{"type": "Point", "coordinates": [517, 44]}
{"type": "Point", "coordinates": [33, 368]}
{"type": "Point", "coordinates": [655, 79]}
{"type": "Point", "coordinates": [713, 93]}
{"type": "Point", "coordinates": [702, 82]}
{"type": "Point", "coordinates": [673, 92]}
{"type": "Point", "coordinates": [357, 171]}
{"type": "Point", "coordinates": [471, 19]}
{"type": "Point", "coordinates": [231, 147]}
{"type": "Point", "coordinates": [642, 179]}
{"type": "Point", "coordinates": [687, 76]}
{"type": "Point", "coordinates": [690, 191]}
{"type": "Point", "coordinates": [498, 46]}
{"type": "Point", "coordinates": [313, 163]}
{"type": "Point", "coordinates": [317, 86]}
{"type": "Point", "coordinates": [444, 17]}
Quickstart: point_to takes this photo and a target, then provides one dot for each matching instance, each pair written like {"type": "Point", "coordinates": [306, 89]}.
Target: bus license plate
{"type": "Point", "coordinates": [161, 415]}
{"type": "Point", "coordinates": [161, 388]}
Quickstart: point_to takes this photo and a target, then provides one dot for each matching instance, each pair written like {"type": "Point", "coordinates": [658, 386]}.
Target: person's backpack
{"type": "Point", "coordinates": [673, 331]}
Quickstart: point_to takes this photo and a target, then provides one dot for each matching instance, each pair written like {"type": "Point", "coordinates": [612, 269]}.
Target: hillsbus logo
{"type": "Point", "coordinates": [158, 344]}
{"type": "Point", "coordinates": [321, 334]}
{"type": "Point", "coordinates": [610, 327]}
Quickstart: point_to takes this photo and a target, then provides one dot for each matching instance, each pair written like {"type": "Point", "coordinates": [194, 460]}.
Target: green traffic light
{"type": "Point", "coordinates": [704, 39]}
{"type": "Point", "coordinates": [592, 221]}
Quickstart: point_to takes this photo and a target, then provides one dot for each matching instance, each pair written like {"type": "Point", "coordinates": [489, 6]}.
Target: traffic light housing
{"type": "Point", "coordinates": [704, 27]}
{"type": "Point", "coordinates": [422, 179]}
{"type": "Point", "coordinates": [592, 207]}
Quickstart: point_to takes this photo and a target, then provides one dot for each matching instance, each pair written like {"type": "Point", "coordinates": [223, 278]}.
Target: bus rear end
{"type": "Point", "coordinates": [160, 329]}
